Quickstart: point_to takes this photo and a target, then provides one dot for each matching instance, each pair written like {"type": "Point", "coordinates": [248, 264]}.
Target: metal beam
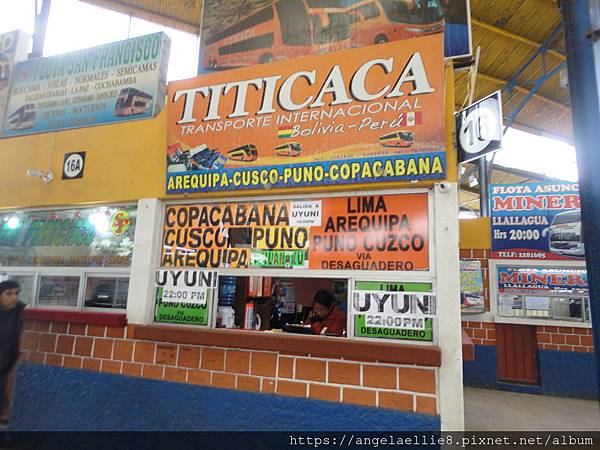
{"type": "Point", "coordinates": [537, 85]}
{"type": "Point", "coordinates": [584, 79]}
{"type": "Point", "coordinates": [515, 37]}
{"type": "Point", "coordinates": [541, 51]}
{"type": "Point", "coordinates": [517, 87]}
{"type": "Point", "coordinates": [39, 27]}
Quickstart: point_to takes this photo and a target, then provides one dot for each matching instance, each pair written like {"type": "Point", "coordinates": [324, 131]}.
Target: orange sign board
{"type": "Point", "coordinates": [363, 115]}
{"type": "Point", "coordinates": [374, 232]}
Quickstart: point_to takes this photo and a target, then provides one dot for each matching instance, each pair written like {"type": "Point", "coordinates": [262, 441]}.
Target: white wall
{"type": "Point", "coordinates": [450, 382]}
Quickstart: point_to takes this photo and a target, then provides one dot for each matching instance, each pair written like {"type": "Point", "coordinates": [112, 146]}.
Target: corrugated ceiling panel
{"type": "Point", "coordinates": [185, 15]}
{"type": "Point", "coordinates": [502, 55]}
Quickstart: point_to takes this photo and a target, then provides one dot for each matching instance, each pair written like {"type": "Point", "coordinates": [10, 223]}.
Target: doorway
{"type": "Point", "coordinates": [517, 353]}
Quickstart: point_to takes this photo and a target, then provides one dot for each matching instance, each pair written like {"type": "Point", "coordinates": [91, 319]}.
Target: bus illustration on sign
{"type": "Point", "coordinates": [564, 234]}
{"type": "Point", "coordinates": [245, 153]}
{"type": "Point", "coordinates": [23, 118]}
{"type": "Point", "coordinates": [288, 149]}
{"type": "Point", "coordinates": [198, 158]}
{"type": "Point", "coordinates": [204, 158]}
{"type": "Point", "coordinates": [380, 21]}
{"type": "Point", "coordinates": [132, 101]}
{"type": "Point", "coordinates": [282, 30]}
{"type": "Point", "coordinates": [397, 139]}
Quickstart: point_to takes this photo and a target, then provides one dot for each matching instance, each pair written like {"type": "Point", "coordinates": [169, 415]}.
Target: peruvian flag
{"type": "Point", "coordinates": [411, 118]}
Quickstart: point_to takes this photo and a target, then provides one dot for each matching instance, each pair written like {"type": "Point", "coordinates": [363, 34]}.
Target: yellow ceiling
{"type": "Point", "coordinates": [185, 15]}
{"type": "Point", "coordinates": [508, 32]}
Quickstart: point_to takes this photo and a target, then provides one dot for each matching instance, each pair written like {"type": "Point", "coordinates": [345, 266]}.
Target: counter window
{"type": "Point", "coordinates": [557, 308]}
{"type": "Point", "coordinates": [543, 293]}
{"type": "Point", "coordinates": [46, 288]}
{"type": "Point", "coordinates": [27, 282]}
{"type": "Point", "coordinates": [103, 292]}
{"type": "Point", "coordinates": [287, 304]}
{"type": "Point", "coordinates": [293, 305]}
{"type": "Point", "coordinates": [58, 290]}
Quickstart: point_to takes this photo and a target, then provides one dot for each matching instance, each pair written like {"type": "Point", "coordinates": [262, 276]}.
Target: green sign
{"type": "Point", "coordinates": [279, 258]}
{"type": "Point", "coordinates": [362, 330]}
{"type": "Point", "coordinates": [185, 313]}
{"type": "Point", "coordinates": [392, 287]}
{"type": "Point", "coordinates": [393, 310]}
{"type": "Point", "coordinates": [95, 237]}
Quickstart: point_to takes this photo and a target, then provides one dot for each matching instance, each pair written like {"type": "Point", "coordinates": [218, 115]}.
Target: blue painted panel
{"type": "Point", "coordinates": [563, 374]}
{"type": "Point", "coordinates": [456, 39]}
{"type": "Point", "coordinates": [482, 371]}
{"type": "Point", "coordinates": [520, 388]}
{"type": "Point", "coordinates": [52, 399]}
{"type": "Point", "coordinates": [568, 374]}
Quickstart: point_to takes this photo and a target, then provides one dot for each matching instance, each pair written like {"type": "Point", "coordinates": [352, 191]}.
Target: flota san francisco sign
{"type": "Point", "coordinates": [364, 115]}
{"type": "Point", "coordinates": [116, 82]}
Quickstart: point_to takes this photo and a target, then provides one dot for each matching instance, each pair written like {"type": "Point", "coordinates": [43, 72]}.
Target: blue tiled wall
{"type": "Point", "coordinates": [562, 374]}
{"type": "Point", "coordinates": [51, 399]}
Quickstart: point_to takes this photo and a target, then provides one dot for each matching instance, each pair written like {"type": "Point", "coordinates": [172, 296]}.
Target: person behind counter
{"type": "Point", "coordinates": [326, 317]}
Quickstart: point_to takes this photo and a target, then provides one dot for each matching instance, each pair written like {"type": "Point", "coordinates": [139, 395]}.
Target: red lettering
{"type": "Point", "coordinates": [509, 278]}
{"type": "Point", "coordinates": [534, 202]}
{"type": "Point", "coordinates": [555, 202]}
{"type": "Point", "coordinates": [576, 280]}
{"type": "Point", "coordinates": [537, 279]}
{"type": "Point", "coordinates": [572, 201]}
{"type": "Point", "coordinates": [501, 204]}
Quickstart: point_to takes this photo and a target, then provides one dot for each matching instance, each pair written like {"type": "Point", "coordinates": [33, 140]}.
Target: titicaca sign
{"type": "Point", "coordinates": [364, 115]}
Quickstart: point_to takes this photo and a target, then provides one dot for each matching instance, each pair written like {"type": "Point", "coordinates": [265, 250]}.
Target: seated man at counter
{"type": "Point", "coordinates": [326, 317]}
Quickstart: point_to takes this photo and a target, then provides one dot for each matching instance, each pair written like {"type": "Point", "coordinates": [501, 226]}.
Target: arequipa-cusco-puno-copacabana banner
{"type": "Point", "coordinates": [363, 115]}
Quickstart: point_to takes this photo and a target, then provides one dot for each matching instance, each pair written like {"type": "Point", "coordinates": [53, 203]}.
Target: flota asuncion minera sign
{"type": "Point", "coordinates": [116, 82]}
{"type": "Point", "coordinates": [542, 280]}
{"type": "Point", "coordinates": [536, 221]}
{"type": "Point", "coordinates": [357, 116]}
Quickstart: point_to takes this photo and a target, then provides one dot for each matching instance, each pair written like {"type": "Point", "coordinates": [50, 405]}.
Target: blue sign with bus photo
{"type": "Point", "coordinates": [116, 82]}
{"type": "Point", "coordinates": [536, 221]}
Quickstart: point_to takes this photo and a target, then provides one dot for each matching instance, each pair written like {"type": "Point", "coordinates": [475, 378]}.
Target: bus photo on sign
{"type": "Point", "coordinates": [242, 33]}
{"type": "Point", "coordinates": [243, 153]}
{"type": "Point", "coordinates": [564, 234]}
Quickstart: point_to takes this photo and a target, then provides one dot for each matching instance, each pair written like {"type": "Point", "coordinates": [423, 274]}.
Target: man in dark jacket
{"type": "Point", "coordinates": [11, 322]}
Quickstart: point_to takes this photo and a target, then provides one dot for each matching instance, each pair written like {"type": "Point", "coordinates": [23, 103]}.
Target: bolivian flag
{"type": "Point", "coordinates": [284, 132]}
